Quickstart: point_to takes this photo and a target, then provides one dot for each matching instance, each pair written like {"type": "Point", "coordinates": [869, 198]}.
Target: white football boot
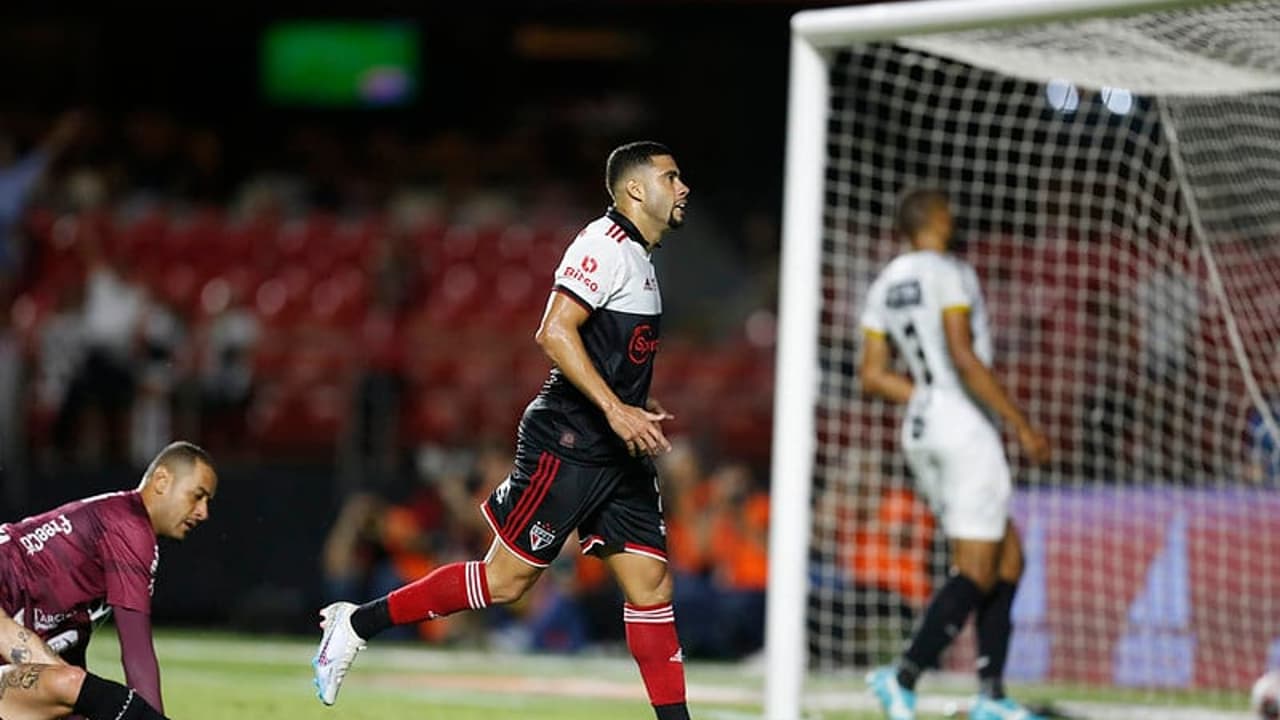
{"type": "Point", "coordinates": [338, 648]}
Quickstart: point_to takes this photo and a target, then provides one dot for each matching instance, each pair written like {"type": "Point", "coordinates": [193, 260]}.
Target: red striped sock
{"type": "Point", "coordinates": [444, 591]}
{"type": "Point", "coordinates": [651, 636]}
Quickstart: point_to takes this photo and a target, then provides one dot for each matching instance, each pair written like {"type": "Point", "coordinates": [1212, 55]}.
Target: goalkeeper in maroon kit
{"type": "Point", "coordinates": [56, 567]}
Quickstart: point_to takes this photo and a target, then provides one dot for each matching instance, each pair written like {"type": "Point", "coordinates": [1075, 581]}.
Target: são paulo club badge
{"type": "Point", "coordinates": [541, 535]}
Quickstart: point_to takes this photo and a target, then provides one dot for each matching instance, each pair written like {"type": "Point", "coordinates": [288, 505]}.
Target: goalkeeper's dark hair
{"type": "Point", "coordinates": [915, 208]}
{"type": "Point", "coordinates": [626, 158]}
{"type": "Point", "coordinates": [180, 456]}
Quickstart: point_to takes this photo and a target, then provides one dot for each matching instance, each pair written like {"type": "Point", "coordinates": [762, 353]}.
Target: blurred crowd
{"type": "Point", "coordinates": [717, 521]}
{"type": "Point", "coordinates": [369, 292]}
{"type": "Point", "coordinates": [367, 306]}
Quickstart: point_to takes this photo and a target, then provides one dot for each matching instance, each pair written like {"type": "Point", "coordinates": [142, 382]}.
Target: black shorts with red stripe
{"type": "Point", "coordinates": [614, 508]}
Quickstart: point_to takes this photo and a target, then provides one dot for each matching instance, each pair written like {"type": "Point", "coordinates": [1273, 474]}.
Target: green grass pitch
{"type": "Point", "coordinates": [238, 677]}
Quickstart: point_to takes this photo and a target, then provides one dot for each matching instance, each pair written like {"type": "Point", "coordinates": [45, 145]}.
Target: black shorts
{"type": "Point", "coordinates": [613, 507]}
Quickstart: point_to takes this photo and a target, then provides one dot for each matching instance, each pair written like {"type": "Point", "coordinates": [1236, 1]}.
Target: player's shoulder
{"type": "Point", "coordinates": [938, 264]}
{"type": "Point", "coordinates": [915, 263]}
{"type": "Point", "coordinates": [601, 234]}
{"type": "Point", "coordinates": [120, 509]}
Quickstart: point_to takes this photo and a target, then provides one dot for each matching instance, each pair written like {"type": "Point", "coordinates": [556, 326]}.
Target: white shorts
{"type": "Point", "coordinates": [958, 460]}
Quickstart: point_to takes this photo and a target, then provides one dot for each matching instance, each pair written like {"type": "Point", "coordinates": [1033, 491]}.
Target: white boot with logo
{"type": "Point", "coordinates": [338, 649]}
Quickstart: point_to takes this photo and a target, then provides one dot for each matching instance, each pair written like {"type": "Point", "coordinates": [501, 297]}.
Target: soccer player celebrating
{"type": "Point", "coordinates": [56, 566]}
{"type": "Point", "coordinates": [930, 305]}
{"type": "Point", "coordinates": [583, 451]}
{"type": "Point", "coordinates": [40, 685]}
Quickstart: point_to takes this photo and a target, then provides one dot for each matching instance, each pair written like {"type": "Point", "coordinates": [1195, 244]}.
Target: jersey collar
{"type": "Point", "coordinates": [633, 233]}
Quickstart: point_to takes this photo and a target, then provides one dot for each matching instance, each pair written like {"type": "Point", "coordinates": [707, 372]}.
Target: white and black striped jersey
{"type": "Point", "coordinates": [607, 270]}
{"type": "Point", "coordinates": [906, 302]}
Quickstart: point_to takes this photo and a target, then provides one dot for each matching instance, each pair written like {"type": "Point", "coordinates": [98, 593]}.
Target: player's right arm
{"type": "Point", "coordinates": [19, 645]}
{"type": "Point", "coordinates": [138, 655]}
{"type": "Point", "coordinates": [875, 373]}
{"type": "Point", "coordinates": [559, 337]}
{"type": "Point", "coordinates": [980, 381]}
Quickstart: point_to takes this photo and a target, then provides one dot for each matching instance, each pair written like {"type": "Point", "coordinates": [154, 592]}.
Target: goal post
{"type": "Point", "coordinates": [1158, 219]}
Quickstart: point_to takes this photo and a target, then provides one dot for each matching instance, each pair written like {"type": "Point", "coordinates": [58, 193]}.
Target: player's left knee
{"type": "Point", "coordinates": [659, 593]}
{"type": "Point", "coordinates": [656, 589]}
{"type": "Point", "coordinates": [1012, 565]}
{"type": "Point", "coordinates": [62, 684]}
{"type": "Point", "coordinates": [1011, 576]}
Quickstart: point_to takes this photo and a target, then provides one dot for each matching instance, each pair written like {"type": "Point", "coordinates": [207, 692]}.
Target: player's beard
{"type": "Point", "coordinates": [674, 222]}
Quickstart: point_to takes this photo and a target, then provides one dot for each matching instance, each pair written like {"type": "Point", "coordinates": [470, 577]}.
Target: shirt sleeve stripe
{"type": "Point", "coordinates": [872, 332]}
{"type": "Point", "coordinates": [573, 296]}
{"type": "Point", "coordinates": [955, 308]}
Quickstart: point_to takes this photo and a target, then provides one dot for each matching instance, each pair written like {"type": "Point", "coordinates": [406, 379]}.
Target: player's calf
{"type": "Point", "coordinates": [102, 699]}
{"type": "Point", "coordinates": [45, 692]}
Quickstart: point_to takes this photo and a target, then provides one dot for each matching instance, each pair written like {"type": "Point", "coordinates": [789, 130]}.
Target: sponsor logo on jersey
{"type": "Point", "coordinates": [651, 284]}
{"type": "Point", "coordinates": [568, 439]}
{"type": "Point", "coordinates": [35, 540]}
{"type": "Point", "coordinates": [540, 536]}
{"type": "Point", "coordinates": [42, 621]}
{"type": "Point", "coordinates": [589, 264]}
{"type": "Point", "coordinates": [904, 294]}
{"type": "Point", "coordinates": [643, 344]}
{"type": "Point", "coordinates": [574, 273]}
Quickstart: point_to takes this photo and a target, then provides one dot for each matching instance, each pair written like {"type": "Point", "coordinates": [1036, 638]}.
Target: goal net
{"type": "Point", "coordinates": [1116, 185]}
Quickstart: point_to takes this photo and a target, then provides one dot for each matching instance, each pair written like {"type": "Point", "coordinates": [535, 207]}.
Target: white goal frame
{"type": "Point", "coordinates": [815, 35]}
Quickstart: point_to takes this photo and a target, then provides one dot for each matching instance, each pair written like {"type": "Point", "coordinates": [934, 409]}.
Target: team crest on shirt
{"type": "Point", "coordinates": [541, 535]}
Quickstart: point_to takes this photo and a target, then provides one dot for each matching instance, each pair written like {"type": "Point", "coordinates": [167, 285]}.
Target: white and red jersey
{"type": "Point", "coordinates": [606, 269]}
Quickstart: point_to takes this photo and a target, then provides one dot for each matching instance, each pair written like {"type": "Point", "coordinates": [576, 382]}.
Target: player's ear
{"type": "Point", "coordinates": [161, 479]}
{"type": "Point", "coordinates": [634, 188]}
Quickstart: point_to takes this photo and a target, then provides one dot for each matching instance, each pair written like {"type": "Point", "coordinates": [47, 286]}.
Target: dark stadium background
{"type": "Point", "coordinates": [708, 78]}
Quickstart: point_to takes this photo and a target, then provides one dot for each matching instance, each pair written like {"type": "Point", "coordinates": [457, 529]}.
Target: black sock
{"type": "Point", "coordinates": [102, 699]}
{"type": "Point", "coordinates": [371, 618]}
{"type": "Point", "coordinates": [995, 626]}
{"type": "Point", "coordinates": [674, 711]}
{"type": "Point", "coordinates": [942, 622]}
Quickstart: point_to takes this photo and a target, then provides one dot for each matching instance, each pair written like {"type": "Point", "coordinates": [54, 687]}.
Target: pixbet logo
{"type": "Point", "coordinates": [577, 274]}
{"type": "Point", "coordinates": [643, 344]}
{"type": "Point", "coordinates": [35, 540]}
{"type": "Point", "coordinates": [589, 264]}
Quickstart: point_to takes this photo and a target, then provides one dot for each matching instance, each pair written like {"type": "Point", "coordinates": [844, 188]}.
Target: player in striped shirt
{"type": "Point", "coordinates": [928, 303]}
{"type": "Point", "coordinates": [584, 448]}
